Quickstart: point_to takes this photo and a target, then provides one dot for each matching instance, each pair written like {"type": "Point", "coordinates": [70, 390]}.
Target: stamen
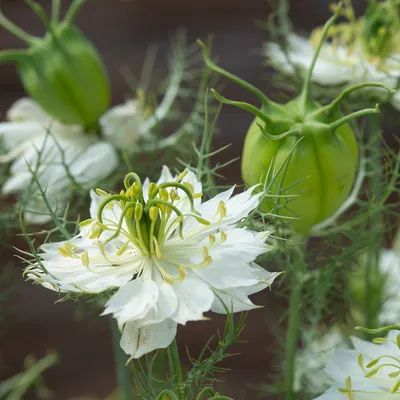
{"type": "Point", "coordinates": [223, 237]}
{"type": "Point", "coordinates": [122, 249]}
{"type": "Point", "coordinates": [222, 210]}
{"type": "Point", "coordinates": [153, 213]}
{"type": "Point", "coordinates": [211, 239]}
{"type": "Point", "coordinates": [101, 192]}
{"type": "Point", "coordinates": [85, 259]}
{"type": "Point", "coordinates": [138, 211]}
{"type": "Point", "coordinates": [86, 222]}
{"type": "Point", "coordinates": [181, 175]}
{"type": "Point", "coordinates": [157, 248]}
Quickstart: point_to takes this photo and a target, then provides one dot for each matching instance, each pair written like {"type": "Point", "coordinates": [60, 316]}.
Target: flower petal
{"type": "Point", "coordinates": [26, 109]}
{"type": "Point", "coordinates": [133, 301]}
{"type": "Point", "coordinates": [94, 164]}
{"type": "Point", "coordinates": [194, 298]}
{"type": "Point", "coordinates": [236, 299]}
{"type": "Point", "coordinates": [137, 341]}
{"type": "Point", "coordinates": [120, 125]}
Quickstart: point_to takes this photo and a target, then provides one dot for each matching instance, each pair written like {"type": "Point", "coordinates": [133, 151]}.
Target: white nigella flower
{"type": "Point", "coordinates": [171, 256]}
{"type": "Point", "coordinates": [352, 57]}
{"type": "Point", "coordinates": [389, 266]}
{"type": "Point", "coordinates": [369, 371]}
{"type": "Point", "coordinates": [310, 361]}
{"type": "Point", "coordinates": [33, 138]}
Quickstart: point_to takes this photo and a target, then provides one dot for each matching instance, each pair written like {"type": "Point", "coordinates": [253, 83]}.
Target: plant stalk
{"type": "Point", "coordinates": [298, 267]}
{"type": "Point", "coordinates": [175, 369]}
{"type": "Point", "coordinates": [372, 260]}
{"type": "Point", "coordinates": [123, 376]}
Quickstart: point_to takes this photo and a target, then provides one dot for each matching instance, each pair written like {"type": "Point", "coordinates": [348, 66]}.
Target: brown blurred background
{"type": "Point", "coordinates": [122, 30]}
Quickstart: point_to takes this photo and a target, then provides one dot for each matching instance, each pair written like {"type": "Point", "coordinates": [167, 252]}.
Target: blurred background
{"type": "Point", "coordinates": [122, 31]}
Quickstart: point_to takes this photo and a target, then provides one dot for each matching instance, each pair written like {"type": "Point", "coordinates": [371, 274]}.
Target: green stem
{"type": "Point", "coordinates": [55, 11]}
{"type": "Point", "coordinates": [305, 94]}
{"type": "Point", "coordinates": [175, 369]}
{"type": "Point", "coordinates": [123, 376]}
{"type": "Point", "coordinates": [372, 259]}
{"type": "Point", "coordinates": [298, 267]}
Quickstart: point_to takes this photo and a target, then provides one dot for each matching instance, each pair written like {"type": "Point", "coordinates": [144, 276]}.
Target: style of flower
{"type": "Point", "coordinates": [346, 59]}
{"type": "Point", "coordinates": [60, 156]}
{"type": "Point", "coordinates": [310, 360]}
{"type": "Point", "coordinates": [389, 267]}
{"type": "Point", "coordinates": [171, 256]}
{"type": "Point", "coordinates": [369, 371]}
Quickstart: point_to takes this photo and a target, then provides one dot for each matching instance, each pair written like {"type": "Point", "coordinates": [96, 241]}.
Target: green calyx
{"type": "Point", "coordinates": [381, 28]}
{"type": "Point", "coordinates": [317, 139]}
{"type": "Point", "coordinates": [62, 71]}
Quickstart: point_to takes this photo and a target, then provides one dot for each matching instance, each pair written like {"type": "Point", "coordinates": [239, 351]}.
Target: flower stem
{"type": "Point", "coordinates": [123, 376]}
{"type": "Point", "coordinates": [372, 259]}
{"type": "Point", "coordinates": [297, 270]}
{"type": "Point", "coordinates": [175, 369]}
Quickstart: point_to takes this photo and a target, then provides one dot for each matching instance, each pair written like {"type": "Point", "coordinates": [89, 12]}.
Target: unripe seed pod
{"type": "Point", "coordinates": [320, 169]}
{"type": "Point", "coordinates": [63, 72]}
{"type": "Point", "coordinates": [305, 154]}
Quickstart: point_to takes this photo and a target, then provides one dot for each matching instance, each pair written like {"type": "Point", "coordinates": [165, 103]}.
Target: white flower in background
{"type": "Point", "coordinates": [311, 360]}
{"type": "Point", "coordinates": [369, 371]}
{"type": "Point", "coordinates": [33, 139]}
{"type": "Point", "coordinates": [171, 256]}
{"type": "Point", "coordinates": [136, 124]}
{"type": "Point", "coordinates": [352, 57]}
{"type": "Point", "coordinates": [389, 266]}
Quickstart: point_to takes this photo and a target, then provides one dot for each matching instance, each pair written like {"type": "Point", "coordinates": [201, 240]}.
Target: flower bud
{"type": "Point", "coordinates": [381, 27]}
{"type": "Point", "coordinates": [62, 71]}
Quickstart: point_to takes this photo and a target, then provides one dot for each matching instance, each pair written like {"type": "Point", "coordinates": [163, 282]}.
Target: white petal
{"type": "Point", "coordinates": [165, 176]}
{"type": "Point", "coordinates": [14, 134]}
{"type": "Point", "coordinates": [120, 125]}
{"type": "Point", "coordinates": [194, 298]}
{"type": "Point", "coordinates": [94, 164]}
{"type": "Point", "coordinates": [334, 66]}
{"type": "Point", "coordinates": [133, 301]}
{"type": "Point", "coordinates": [70, 274]}
{"type": "Point", "coordinates": [16, 183]}
{"type": "Point", "coordinates": [26, 109]}
{"type": "Point", "coordinates": [166, 305]}
{"type": "Point", "coordinates": [236, 299]}
{"type": "Point", "coordinates": [333, 394]}
{"type": "Point", "coordinates": [137, 341]}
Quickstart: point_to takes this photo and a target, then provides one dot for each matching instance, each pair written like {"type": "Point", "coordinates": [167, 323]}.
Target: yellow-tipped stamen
{"type": "Point", "coordinates": [101, 192]}
{"type": "Point", "coordinates": [122, 249]}
{"type": "Point", "coordinates": [86, 222]}
{"type": "Point", "coordinates": [85, 259]}
{"type": "Point", "coordinates": [157, 248]}
{"type": "Point", "coordinates": [211, 239]}
{"type": "Point", "coordinates": [222, 210]}
{"type": "Point", "coordinates": [223, 237]}
{"type": "Point", "coordinates": [181, 175]}
{"type": "Point", "coordinates": [138, 211]}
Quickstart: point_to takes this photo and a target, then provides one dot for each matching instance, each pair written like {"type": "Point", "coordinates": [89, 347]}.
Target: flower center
{"type": "Point", "coordinates": [149, 222]}
{"type": "Point", "coordinates": [383, 362]}
{"type": "Point", "coordinates": [376, 33]}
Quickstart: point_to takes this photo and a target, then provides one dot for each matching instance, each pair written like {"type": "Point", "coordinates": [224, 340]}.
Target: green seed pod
{"type": "Point", "coordinates": [305, 154]}
{"type": "Point", "coordinates": [62, 71]}
{"type": "Point", "coordinates": [381, 27]}
{"type": "Point", "coordinates": [320, 168]}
